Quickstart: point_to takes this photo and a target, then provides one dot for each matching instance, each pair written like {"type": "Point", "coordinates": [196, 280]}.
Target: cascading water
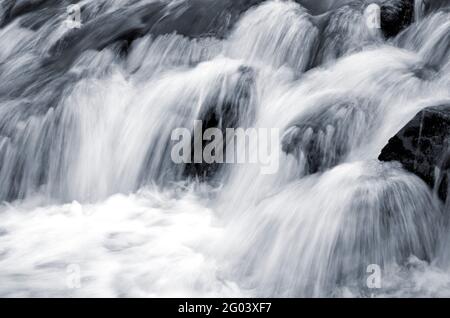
{"type": "Point", "coordinates": [90, 188]}
{"type": "Point", "coordinates": [419, 8]}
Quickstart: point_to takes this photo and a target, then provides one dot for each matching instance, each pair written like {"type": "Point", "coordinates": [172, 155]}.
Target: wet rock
{"type": "Point", "coordinates": [342, 33]}
{"type": "Point", "coordinates": [37, 9]}
{"type": "Point", "coordinates": [199, 18]}
{"type": "Point", "coordinates": [423, 147]}
{"type": "Point", "coordinates": [5, 9]}
{"type": "Point", "coordinates": [322, 139]}
{"type": "Point", "coordinates": [23, 6]}
{"type": "Point", "coordinates": [319, 7]}
{"type": "Point", "coordinates": [193, 19]}
{"type": "Point", "coordinates": [396, 15]}
{"type": "Point", "coordinates": [229, 107]}
{"type": "Point", "coordinates": [103, 31]}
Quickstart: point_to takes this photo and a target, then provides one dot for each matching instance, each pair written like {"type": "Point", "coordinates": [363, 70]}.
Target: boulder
{"type": "Point", "coordinates": [191, 18]}
{"type": "Point", "coordinates": [32, 9]}
{"type": "Point", "coordinates": [396, 15]}
{"type": "Point", "coordinates": [322, 137]}
{"type": "Point", "coordinates": [229, 107]}
{"type": "Point", "coordinates": [423, 147]}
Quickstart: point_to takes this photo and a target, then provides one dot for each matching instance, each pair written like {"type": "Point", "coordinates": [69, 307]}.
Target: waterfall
{"type": "Point", "coordinates": [335, 238]}
{"type": "Point", "coordinates": [87, 117]}
{"type": "Point", "coordinates": [419, 10]}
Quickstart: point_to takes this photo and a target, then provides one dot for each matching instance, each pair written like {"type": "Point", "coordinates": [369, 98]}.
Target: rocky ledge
{"type": "Point", "coordinates": [423, 147]}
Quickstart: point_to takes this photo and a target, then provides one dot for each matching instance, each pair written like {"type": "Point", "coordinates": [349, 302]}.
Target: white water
{"type": "Point", "coordinates": [90, 184]}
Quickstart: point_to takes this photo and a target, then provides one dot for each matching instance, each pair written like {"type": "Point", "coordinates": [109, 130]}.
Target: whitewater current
{"type": "Point", "coordinates": [94, 206]}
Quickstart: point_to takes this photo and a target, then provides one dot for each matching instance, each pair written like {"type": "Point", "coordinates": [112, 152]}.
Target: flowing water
{"type": "Point", "coordinates": [95, 206]}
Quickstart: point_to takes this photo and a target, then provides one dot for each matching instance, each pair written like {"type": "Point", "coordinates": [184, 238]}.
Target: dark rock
{"type": "Point", "coordinates": [103, 31]}
{"type": "Point", "coordinates": [231, 107]}
{"type": "Point", "coordinates": [322, 138]}
{"type": "Point", "coordinates": [319, 7]}
{"type": "Point", "coordinates": [192, 18]}
{"type": "Point", "coordinates": [37, 8]}
{"type": "Point", "coordinates": [396, 15]}
{"type": "Point", "coordinates": [427, 38]}
{"type": "Point", "coordinates": [338, 32]}
{"type": "Point", "coordinates": [199, 18]}
{"type": "Point", "coordinates": [423, 147]}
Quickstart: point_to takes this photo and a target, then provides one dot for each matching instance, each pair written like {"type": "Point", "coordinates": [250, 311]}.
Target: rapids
{"type": "Point", "coordinates": [93, 204]}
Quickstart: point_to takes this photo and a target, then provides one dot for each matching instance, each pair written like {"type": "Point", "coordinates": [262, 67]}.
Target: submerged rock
{"type": "Point", "coordinates": [32, 10]}
{"type": "Point", "coordinates": [192, 18]}
{"type": "Point", "coordinates": [423, 147]}
{"type": "Point", "coordinates": [395, 14]}
{"type": "Point", "coordinates": [377, 214]}
{"type": "Point", "coordinates": [322, 138]}
{"type": "Point", "coordinates": [232, 106]}
{"type": "Point", "coordinates": [199, 18]}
